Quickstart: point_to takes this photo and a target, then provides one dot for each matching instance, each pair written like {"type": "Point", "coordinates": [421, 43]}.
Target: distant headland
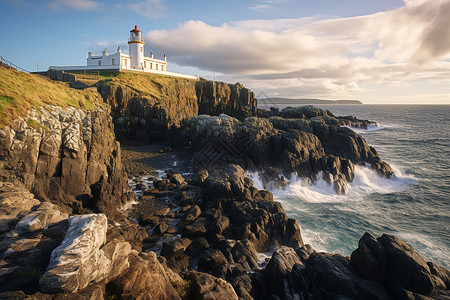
{"type": "Point", "coordinates": [305, 101]}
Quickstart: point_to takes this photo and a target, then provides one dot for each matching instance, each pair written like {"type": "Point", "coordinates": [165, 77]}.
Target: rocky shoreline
{"type": "Point", "coordinates": [72, 227]}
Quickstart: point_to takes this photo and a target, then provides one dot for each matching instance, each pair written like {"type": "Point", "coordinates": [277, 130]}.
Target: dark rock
{"type": "Point", "coordinates": [168, 248]}
{"type": "Point", "coordinates": [197, 246]}
{"type": "Point", "coordinates": [220, 225]}
{"type": "Point", "coordinates": [440, 272]}
{"type": "Point", "coordinates": [177, 179]}
{"type": "Point", "coordinates": [265, 195]}
{"type": "Point", "coordinates": [196, 229]}
{"type": "Point", "coordinates": [192, 213]}
{"type": "Point", "coordinates": [331, 276]}
{"type": "Point", "coordinates": [145, 279]}
{"type": "Point", "coordinates": [161, 228]}
{"type": "Point", "coordinates": [279, 266]}
{"type": "Point", "coordinates": [209, 287]}
{"type": "Point", "coordinates": [304, 252]}
{"type": "Point", "coordinates": [407, 268]}
{"type": "Point", "coordinates": [209, 262]}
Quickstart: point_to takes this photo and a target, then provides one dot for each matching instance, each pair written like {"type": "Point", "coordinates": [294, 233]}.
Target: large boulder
{"type": "Point", "coordinates": [332, 277]}
{"type": "Point", "coordinates": [81, 259]}
{"type": "Point", "coordinates": [15, 202]}
{"type": "Point", "coordinates": [146, 278]}
{"type": "Point", "coordinates": [279, 266]}
{"type": "Point", "coordinates": [397, 265]}
{"type": "Point", "coordinates": [208, 287]}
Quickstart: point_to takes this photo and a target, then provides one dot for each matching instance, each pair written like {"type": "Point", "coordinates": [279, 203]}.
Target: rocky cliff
{"type": "Point", "coordinates": [66, 156]}
{"type": "Point", "coordinates": [156, 110]}
{"type": "Point", "coordinates": [310, 145]}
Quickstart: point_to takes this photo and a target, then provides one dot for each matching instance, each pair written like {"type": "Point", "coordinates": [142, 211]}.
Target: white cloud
{"type": "Point", "coordinates": [334, 56]}
{"type": "Point", "coordinates": [75, 4]}
{"type": "Point", "coordinates": [152, 9]}
{"type": "Point", "coordinates": [265, 5]}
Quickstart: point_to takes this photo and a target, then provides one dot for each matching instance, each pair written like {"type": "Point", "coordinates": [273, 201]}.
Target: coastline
{"type": "Point", "coordinates": [192, 233]}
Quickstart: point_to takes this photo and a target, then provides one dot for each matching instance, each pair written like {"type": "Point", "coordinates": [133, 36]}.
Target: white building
{"type": "Point", "coordinates": [134, 61]}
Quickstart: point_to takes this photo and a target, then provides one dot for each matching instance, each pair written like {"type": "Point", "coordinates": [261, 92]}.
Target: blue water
{"type": "Point", "coordinates": [415, 206]}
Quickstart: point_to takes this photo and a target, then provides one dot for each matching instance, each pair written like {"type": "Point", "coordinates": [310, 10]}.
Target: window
{"type": "Point", "coordinates": [142, 49]}
{"type": "Point", "coordinates": [113, 61]}
{"type": "Point", "coordinates": [125, 61]}
{"type": "Point", "coordinates": [151, 66]}
{"type": "Point", "coordinates": [99, 62]}
{"type": "Point", "coordinates": [156, 66]}
{"type": "Point", "coordinates": [145, 64]}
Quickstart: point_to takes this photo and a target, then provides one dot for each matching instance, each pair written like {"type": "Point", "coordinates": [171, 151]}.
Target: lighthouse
{"type": "Point", "coordinates": [136, 48]}
{"type": "Point", "coordinates": [133, 61]}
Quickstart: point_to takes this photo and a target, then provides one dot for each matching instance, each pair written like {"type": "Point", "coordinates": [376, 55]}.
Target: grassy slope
{"type": "Point", "coordinates": [19, 92]}
{"type": "Point", "coordinates": [146, 85]}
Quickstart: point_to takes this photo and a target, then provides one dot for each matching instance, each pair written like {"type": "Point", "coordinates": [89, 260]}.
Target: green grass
{"type": "Point", "coordinates": [20, 92]}
{"type": "Point", "coordinates": [36, 125]}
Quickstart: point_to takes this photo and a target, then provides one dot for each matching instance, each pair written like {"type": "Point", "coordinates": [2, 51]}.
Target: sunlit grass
{"type": "Point", "coordinates": [19, 92]}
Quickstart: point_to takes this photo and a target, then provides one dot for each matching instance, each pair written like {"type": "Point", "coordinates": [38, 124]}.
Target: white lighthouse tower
{"type": "Point", "coordinates": [136, 48]}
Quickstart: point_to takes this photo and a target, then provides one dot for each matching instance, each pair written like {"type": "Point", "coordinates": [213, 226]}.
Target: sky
{"type": "Point", "coordinates": [379, 52]}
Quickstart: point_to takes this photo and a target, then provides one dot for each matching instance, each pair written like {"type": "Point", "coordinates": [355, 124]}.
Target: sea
{"type": "Point", "coordinates": [414, 206]}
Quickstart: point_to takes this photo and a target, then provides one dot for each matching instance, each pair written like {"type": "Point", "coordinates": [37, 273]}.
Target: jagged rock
{"type": "Point", "coordinates": [245, 253]}
{"type": "Point", "coordinates": [279, 266]}
{"type": "Point", "coordinates": [146, 278]}
{"type": "Point", "coordinates": [331, 276]}
{"type": "Point", "coordinates": [394, 263]}
{"type": "Point", "coordinates": [81, 259]}
{"type": "Point", "coordinates": [177, 179]}
{"type": "Point", "coordinates": [157, 118]}
{"type": "Point", "coordinates": [208, 287]}
{"type": "Point", "coordinates": [196, 229]}
{"type": "Point", "coordinates": [440, 272]}
{"type": "Point", "coordinates": [210, 261]}
{"type": "Point", "coordinates": [306, 147]}
{"type": "Point", "coordinates": [304, 252]}
{"type": "Point", "coordinates": [15, 202]}
{"type": "Point", "coordinates": [45, 215]}
{"type": "Point", "coordinates": [72, 159]}
{"type": "Point", "coordinates": [168, 248]}
{"type": "Point", "coordinates": [220, 225]}
{"type": "Point", "coordinates": [406, 267]}
{"type": "Point", "coordinates": [192, 213]}
{"type": "Point", "coordinates": [197, 246]}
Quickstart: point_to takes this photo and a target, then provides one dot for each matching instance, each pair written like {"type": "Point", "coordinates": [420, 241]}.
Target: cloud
{"type": "Point", "coordinates": [265, 5]}
{"type": "Point", "coordinates": [152, 9]}
{"type": "Point", "coordinates": [332, 56]}
{"type": "Point", "coordinates": [75, 4]}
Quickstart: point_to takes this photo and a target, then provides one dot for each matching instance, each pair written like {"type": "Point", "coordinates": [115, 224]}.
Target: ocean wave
{"type": "Point", "coordinates": [378, 127]}
{"type": "Point", "coordinates": [366, 182]}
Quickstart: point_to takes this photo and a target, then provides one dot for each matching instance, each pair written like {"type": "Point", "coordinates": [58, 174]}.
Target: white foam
{"type": "Point", "coordinates": [256, 178]}
{"type": "Point", "coordinates": [366, 182]}
{"type": "Point", "coordinates": [429, 249]}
